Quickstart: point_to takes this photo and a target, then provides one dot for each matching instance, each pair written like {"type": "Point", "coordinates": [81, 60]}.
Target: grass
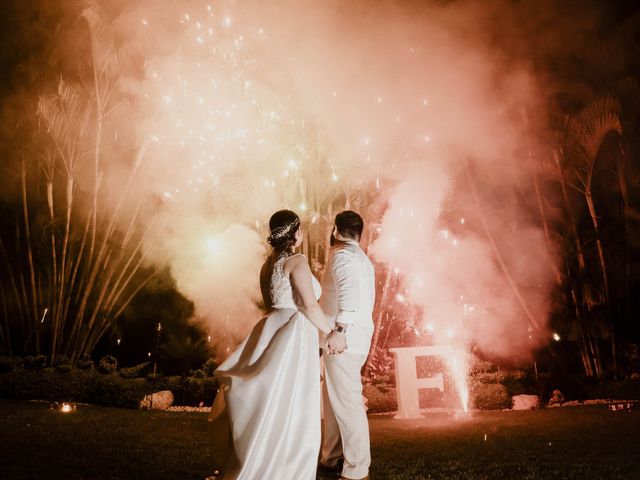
{"type": "Point", "coordinates": [108, 443]}
{"type": "Point", "coordinates": [563, 443]}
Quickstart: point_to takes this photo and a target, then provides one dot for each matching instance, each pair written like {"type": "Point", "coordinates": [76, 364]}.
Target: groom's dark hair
{"type": "Point", "coordinates": [349, 224]}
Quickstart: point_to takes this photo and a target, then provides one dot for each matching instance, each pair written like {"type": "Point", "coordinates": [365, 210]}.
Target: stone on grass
{"type": "Point", "coordinates": [557, 399]}
{"type": "Point", "coordinates": [157, 401]}
{"type": "Point", "coordinates": [525, 402]}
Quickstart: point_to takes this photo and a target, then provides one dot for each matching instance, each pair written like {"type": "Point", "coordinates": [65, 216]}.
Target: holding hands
{"type": "Point", "coordinates": [336, 342]}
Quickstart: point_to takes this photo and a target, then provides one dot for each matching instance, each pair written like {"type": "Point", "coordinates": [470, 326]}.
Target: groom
{"type": "Point", "coordinates": [348, 295]}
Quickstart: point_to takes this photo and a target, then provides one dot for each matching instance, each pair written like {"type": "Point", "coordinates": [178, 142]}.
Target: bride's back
{"type": "Point", "coordinates": [275, 285]}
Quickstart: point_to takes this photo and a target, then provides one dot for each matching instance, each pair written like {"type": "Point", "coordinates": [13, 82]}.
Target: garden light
{"type": "Point", "coordinates": [64, 407]}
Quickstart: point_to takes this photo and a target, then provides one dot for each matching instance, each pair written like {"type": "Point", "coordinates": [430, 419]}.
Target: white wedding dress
{"type": "Point", "coordinates": [271, 387]}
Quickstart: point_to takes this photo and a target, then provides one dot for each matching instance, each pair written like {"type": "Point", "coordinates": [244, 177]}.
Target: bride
{"type": "Point", "coordinates": [271, 382]}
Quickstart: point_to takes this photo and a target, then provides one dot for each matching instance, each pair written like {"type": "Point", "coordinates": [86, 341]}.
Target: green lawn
{"type": "Point", "coordinates": [108, 443]}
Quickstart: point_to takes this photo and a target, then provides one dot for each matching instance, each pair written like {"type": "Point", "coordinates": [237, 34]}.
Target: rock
{"type": "Point", "coordinates": [557, 399]}
{"type": "Point", "coordinates": [188, 409]}
{"type": "Point", "coordinates": [525, 402]}
{"type": "Point", "coordinates": [157, 401]}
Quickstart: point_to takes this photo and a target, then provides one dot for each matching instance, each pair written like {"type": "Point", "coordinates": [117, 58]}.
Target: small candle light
{"type": "Point", "coordinates": [64, 407]}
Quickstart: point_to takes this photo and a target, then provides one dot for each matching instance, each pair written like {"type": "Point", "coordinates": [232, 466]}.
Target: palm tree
{"type": "Point", "coordinates": [77, 270]}
{"type": "Point", "coordinates": [582, 136]}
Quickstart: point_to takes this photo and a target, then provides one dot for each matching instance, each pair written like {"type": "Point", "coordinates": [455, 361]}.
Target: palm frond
{"type": "Point", "coordinates": [594, 122]}
{"type": "Point", "coordinates": [70, 102]}
{"type": "Point", "coordinates": [52, 116]}
{"type": "Point", "coordinates": [62, 111]}
{"type": "Point", "coordinates": [558, 121]}
{"type": "Point", "coordinates": [65, 117]}
{"type": "Point", "coordinates": [587, 131]}
{"type": "Point", "coordinates": [109, 60]}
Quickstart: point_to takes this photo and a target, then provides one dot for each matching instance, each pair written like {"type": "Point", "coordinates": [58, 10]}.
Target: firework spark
{"type": "Point", "coordinates": [248, 107]}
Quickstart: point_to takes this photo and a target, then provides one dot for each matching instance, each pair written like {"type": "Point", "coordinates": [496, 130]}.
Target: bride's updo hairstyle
{"type": "Point", "coordinates": [283, 226]}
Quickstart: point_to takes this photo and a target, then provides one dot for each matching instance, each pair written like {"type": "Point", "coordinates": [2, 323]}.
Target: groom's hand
{"type": "Point", "coordinates": [336, 342]}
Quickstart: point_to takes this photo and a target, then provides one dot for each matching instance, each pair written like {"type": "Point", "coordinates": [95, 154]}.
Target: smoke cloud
{"type": "Point", "coordinates": [246, 107]}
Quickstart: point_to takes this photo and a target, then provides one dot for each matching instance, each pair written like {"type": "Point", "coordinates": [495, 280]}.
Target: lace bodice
{"type": "Point", "coordinates": [283, 295]}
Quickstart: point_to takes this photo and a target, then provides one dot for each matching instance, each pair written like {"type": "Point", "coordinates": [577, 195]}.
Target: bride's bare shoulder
{"type": "Point", "coordinates": [294, 261]}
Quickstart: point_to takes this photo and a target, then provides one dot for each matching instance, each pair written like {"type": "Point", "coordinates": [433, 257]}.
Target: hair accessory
{"type": "Point", "coordinates": [284, 230]}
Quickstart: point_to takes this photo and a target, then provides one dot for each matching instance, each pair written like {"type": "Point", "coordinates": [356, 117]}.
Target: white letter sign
{"type": "Point", "coordinates": [407, 381]}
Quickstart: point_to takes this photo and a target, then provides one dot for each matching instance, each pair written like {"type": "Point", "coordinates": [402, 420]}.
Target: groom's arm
{"type": "Point", "coordinates": [345, 274]}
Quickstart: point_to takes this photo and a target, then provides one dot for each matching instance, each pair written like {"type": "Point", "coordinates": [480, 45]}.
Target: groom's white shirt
{"type": "Point", "coordinates": [348, 294]}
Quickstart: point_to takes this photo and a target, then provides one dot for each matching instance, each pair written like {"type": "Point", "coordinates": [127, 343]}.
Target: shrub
{"type": "Point", "coordinates": [380, 400]}
{"type": "Point", "coordinates": [518, 382]}
{"type": "Point", "coordinates": [477, 365]}
{"type": "Point", "coordinates": [17, 384]}
{"type": "Point", "coordinates": [173, 383]}
{"type": "Point", "coordinates": [490, 377]}
{"type": "Point", "coordinates": [489, 396]}
{"type": "Point", "coordinates": [137, 371]}
{"type": "Point", "coordinates": [573, 387]}
{"type": "Point", "coordinates": [108, 364]}
{"type": "Point", "coordinates": [35, 362]}
{"type": "Point", "coordinates": [210, 366]}
{"type": "Point", "coordinates": [85, 362]}
{"type": "Point", "coordinates": [194, 390]}
{"type": "Point", "coordinates": [8, 364]}
{"type": "Point", "coordinates": [46, 384]}
{"type": "Point", "coordinates": [62, 363]}
{"type": "Point", "coordinates": [200, 373]}
{"type": "Point", "coordinates": [89, 386]}
{"type": "Point", "coordinates": [381, 363]}
{"type": "Point", "coordinates": [115, 391]}
{"type": "Point", "coordinates": [628, 389]}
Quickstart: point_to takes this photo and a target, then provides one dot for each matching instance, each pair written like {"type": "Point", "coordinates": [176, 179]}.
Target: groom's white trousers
{"type": "Point", "coordinates": [346, 429]}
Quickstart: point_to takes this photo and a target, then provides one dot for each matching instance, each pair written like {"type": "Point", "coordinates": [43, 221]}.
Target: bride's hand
{"type": "Point", "coordinates": [336, 342]}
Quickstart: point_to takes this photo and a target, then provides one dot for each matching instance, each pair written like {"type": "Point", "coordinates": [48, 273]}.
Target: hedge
{"type": "Point", "coordinates": [110, 389]}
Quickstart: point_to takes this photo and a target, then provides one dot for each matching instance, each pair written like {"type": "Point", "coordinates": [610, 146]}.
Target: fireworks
{"type": "Point", "coordinates": [459, 368]}
{"type": "Point", "coordinates": [247, 108]}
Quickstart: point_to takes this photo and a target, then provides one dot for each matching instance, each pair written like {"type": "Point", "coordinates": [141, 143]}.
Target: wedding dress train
{"type": "Point", "coordinates": [271, 387]}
